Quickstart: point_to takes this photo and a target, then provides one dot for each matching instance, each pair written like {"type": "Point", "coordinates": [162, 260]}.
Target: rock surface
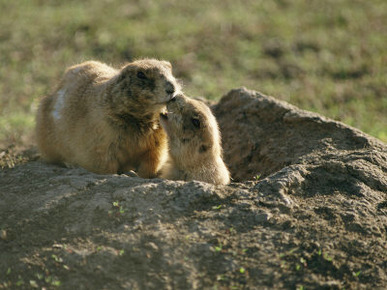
{"type": "Point", "coordinates": [308, 207]}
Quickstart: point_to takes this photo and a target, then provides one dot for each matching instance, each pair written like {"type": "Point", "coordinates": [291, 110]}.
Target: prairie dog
{"type": "Point", "coordinates": [195, 151]}
{"type": "Point", "coordinates": [106, 120]}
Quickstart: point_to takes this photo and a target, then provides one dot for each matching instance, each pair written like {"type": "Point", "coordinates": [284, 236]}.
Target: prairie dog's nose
{"type": "Point", "coordinates": [169, 88]}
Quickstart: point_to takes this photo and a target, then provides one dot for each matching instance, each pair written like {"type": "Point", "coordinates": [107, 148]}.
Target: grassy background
{"type": "Point", "coordinates": [327, 56]}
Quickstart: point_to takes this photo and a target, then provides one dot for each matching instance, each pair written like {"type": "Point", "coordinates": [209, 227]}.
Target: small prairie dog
{"type": "Point", "coordinates": [107, 120]}
{"type": "Point", "coordinates": [195, 151]}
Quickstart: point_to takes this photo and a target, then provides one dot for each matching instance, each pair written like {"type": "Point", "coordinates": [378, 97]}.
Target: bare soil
{"type": "Point", "coordinates": [307, 209]}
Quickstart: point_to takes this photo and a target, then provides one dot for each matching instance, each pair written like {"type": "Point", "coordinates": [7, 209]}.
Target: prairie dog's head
{"type": "Point", "coordinates": [192, 130]}
{"type": "Point", "coordinates": [146, 83]}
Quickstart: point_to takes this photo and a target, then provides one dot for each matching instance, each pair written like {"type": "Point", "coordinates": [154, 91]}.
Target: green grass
{"type": "Point", "coordinates": [325, 56]}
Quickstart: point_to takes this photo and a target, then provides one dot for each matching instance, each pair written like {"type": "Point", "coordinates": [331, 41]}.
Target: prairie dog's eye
{"type": "Point", "coordinates": [141, 75]}
{"type": "Point", "coordinates": [196, 122]}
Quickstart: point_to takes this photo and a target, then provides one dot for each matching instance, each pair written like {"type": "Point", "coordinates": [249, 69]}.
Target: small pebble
{"type": "Point", "coordinates": [3, 235]}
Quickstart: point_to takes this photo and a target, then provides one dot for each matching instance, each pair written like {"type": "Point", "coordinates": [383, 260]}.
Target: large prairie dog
{"type": "Point", "coordinates": [195, 151]}
{"type": "Point", "coordinates": [106, 120]}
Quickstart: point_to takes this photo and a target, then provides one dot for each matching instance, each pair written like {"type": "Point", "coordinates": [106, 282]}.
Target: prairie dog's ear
{"type": "Point", "coordinates": [121, 76]}
{"type": "Point", "coordinates": [204, 148]}
{"type": "Point", "coordinates": [127, 69]}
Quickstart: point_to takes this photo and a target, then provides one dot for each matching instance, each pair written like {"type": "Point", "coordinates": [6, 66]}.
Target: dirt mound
{"type": "Point", "coordinates": [309, 210]}
{"type": "Point", "coordinates": [261, 135]}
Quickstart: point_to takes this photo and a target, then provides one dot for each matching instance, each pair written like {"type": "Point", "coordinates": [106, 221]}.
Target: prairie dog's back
{"type": "Point", "coordinates": [89, 70]}
{"type": "Point", "coordinates": [84, 81]}
{"type": "Point", "coordinates": [84, 77]}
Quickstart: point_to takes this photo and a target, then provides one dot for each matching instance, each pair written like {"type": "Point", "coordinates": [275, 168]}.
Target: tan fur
{"type": "Point", "coordinates": [195, 151]}
{"type": "Point", "coordinates": [106, 120]}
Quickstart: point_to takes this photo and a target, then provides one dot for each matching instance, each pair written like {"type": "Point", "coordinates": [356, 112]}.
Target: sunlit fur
{"type": "Point", "coordinates": [195, 152]}
{"type": "Point", "coordinates": [107, 120]}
